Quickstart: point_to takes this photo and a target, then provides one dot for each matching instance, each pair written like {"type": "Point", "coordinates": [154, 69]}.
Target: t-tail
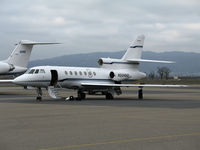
{"type": "Point", "coordinates": [127, 67]}
{"type": "Point", "coordinates": [20, 56]}
{"type": "Point", "coordinates": [131, 58]}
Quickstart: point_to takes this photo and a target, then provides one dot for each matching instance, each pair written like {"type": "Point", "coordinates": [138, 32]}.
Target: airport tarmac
{"type": "Point", "coordinates": [166, 119]}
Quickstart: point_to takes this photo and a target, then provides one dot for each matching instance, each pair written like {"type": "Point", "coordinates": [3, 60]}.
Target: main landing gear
{"type": "Point", "coordinates": [39, 93]}
{"type": "Point", "coordinates": [81, 95]}
{"type": "Point", "coordinates": [109, 96]}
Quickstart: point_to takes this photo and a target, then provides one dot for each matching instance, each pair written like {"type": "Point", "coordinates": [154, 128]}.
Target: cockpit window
{"type": "Point", "coordinates": [31, 72]}
{"type": "Point", "coordinates": [42, 71]}
{"type": "Point", "coordinates": [27, 71]}
{"type": "Point", "coordinates": [37, 71]}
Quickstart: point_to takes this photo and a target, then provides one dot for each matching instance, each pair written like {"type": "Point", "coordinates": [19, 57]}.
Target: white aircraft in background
{"type": "Point", "coordinates": [18, 60]}
{"type": "Point", "coordinates": [105, 80]}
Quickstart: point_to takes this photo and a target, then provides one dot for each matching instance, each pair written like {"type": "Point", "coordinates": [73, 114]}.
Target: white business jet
{"type": "Point", "coordinates": [18, 60]}
{"type": "Point", "coordinates": [106, 80]}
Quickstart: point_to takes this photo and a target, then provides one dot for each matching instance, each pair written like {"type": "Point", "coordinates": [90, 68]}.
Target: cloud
{"type": "Point", "coordinates": [100, 25]}
{"type": "Point", "coordinates": [192, 26]}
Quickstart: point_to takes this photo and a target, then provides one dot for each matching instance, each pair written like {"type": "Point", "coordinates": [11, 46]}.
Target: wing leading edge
{"type": "Point", "coordinates": [6, 81]}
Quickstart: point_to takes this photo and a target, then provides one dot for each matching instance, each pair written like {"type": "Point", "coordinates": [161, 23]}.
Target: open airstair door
{"type": "Point", "coordinates": [54, 77]}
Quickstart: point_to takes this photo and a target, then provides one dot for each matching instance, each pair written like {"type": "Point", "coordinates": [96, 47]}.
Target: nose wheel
{"type": "Point", "coordinates": [38, 98]}
{"type": "Point", "coordinates": [39, 93]}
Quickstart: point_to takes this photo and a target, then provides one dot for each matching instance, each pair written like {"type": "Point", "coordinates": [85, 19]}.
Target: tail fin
{"type": "Point", "coordinates": [135, 50]}
{"type": "Point", "coordinates": [21, 54]}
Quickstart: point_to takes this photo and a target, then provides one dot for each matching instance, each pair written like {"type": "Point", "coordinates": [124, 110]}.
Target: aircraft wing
{"type": "Point", "coordinates": [6, 81]}
{"type": "Point", "coordinates": [130, 85]}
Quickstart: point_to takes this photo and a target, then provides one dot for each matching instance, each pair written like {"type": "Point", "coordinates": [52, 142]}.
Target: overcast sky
{"type": "Point", "coordinates": [99, 25]}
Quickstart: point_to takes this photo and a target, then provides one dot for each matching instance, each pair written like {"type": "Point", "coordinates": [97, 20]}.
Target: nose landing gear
{"type": "Point", "coordinates": [39, 93]}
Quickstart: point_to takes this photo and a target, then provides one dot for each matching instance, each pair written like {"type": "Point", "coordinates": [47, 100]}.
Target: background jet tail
{"type": "Point", "coordinates": [135, 49]}
{"type": "Point", "coordinates": [131, 58]}
{"type": "Point", "coordinates": [21, 54]}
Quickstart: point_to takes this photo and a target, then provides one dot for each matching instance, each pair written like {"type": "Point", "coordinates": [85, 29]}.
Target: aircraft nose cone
{"type": "Point", "coordinates": [19, 80]}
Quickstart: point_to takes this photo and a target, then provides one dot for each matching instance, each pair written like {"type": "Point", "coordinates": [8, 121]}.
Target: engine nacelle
{"type": "Point", "coordinates": [119, 76]}
{"type": "Point", "coordinates": [102, 61]}
{"type": "Point", "coordinates": [5, 67]}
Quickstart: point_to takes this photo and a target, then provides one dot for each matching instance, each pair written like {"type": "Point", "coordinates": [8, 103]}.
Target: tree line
{"type": "Point", "coordinates": [162, 72]}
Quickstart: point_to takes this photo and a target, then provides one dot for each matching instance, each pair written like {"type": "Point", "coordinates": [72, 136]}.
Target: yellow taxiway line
{"type": "Point", "coordinates": [121, 141]}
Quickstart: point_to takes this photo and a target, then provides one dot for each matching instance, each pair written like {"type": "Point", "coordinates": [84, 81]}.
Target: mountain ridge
{"type": "Point", "coordinates": [187, 63]}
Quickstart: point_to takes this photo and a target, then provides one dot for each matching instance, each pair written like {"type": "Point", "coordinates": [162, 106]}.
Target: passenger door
{"type": "Point", "coordinates": [54, 77]}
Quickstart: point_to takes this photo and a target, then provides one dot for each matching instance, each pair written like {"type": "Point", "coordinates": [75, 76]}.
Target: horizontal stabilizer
{"type": "Point", "coordinates": [27, 42]}
{"type": "Point", "coordinates": [131, 85]}
{"type": "Point", "coordinates": [147, 60]}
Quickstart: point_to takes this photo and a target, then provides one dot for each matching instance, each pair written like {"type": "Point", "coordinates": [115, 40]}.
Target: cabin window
{"type": "Point", "coordinates": [85, 73]}
{"type": "Point", "coordinates": [37, 71]}
{"type": "Point", "coordinates": [80, 73]}
{"type": "Point", "coordinates": [42, 71]}
{"type": "Point", "coordinates": [66, 72]}
{"type": "Point", "coordinates": [71, 73]}
{"type": "Point", "coordinates": [75, 72]}
{"type": "Point", "coordinates": [94, 73]}
{"type": "Point", "coordinates": [89, 73]}
{"type": "Point", "coordinates": [31, 72]}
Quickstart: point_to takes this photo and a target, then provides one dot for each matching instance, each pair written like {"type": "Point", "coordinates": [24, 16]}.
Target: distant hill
{"type": "Point", "coordinates": [186, 63]}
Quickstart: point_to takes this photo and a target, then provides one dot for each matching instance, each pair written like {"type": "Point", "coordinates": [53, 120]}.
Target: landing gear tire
{"type": "Point", "coordinates": [38, 98]}
{"type": "Point", "coordinates": [109, 96]}
{"type": "Point", "coordinates": [81, 96]}
{"type": "Point", "coordinates": [140, 94]}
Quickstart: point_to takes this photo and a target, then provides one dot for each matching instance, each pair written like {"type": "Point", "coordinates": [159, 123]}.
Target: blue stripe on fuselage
{"type": "Point", "coordinates": [137, 46]}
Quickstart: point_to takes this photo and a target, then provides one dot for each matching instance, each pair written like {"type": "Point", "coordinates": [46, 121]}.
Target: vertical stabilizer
{"type": "Point", "coordinates": [135, 49]}
{"type": "Point", "coordinates": [21, 54]}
